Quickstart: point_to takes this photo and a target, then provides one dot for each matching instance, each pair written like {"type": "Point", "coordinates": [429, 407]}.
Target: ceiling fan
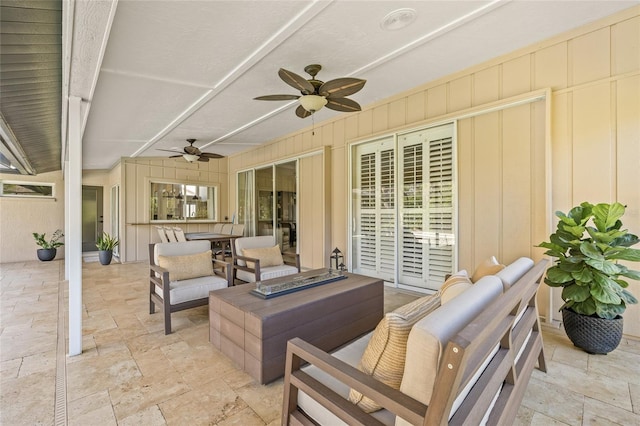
{"type": "Point", "coordinates": [316, 93]}
{"type": "Point", "coordinates": [192, 153]}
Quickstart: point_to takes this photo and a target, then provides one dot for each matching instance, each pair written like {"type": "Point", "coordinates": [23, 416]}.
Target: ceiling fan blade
{"type": "Point", "coordinates": [341, 87]}
{"type": "Point", "coordinates": [210, 155]}
{"type": "Point", "coordinates": [343, 104]}
{"type": "Point", "coordinates": [301, 112]}
{"type": "Point", "coordinates": [277, 98]}
{"type": "Point", "coordinates": [296, 81]}
{"type": "Point", "coordinates": [169, 150]}
{"type": "Point", "coordinates": [175, 156]}
{"type": "Point", "coordinates": [203, 159]}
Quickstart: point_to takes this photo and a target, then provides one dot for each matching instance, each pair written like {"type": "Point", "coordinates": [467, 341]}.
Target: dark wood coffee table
{"type": "Point", "coordinates": [253, 332]}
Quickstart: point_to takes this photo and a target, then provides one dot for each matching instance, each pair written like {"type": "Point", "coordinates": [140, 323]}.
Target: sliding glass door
{"type": "Point", "coordinates": [403, 208]}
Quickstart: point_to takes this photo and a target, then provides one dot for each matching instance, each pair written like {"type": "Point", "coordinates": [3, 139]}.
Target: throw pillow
{"type": "Point", "coordinates": [268, 256]}
{"type": "Point", "coordinates": [454, 285]}
{"type": "Point", "coordinates": [488, 267]}
{"type": "Point", "coordinates": [384, 356]}
{"type": "Point", "coordinates": [187, 266]}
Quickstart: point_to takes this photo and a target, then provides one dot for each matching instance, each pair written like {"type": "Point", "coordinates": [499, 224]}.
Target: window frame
{"type": "Point", "coordinates": [183, 183]}
{"type": "Point", "coordinates": [30, 183]}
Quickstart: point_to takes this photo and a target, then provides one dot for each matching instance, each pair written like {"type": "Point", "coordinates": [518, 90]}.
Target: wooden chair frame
{"type": "Point", "coordinates": [164, 302]}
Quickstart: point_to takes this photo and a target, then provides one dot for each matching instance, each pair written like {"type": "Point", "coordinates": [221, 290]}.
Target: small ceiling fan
{"type": "Point", "coordinates": [192, 153]}
{"type": "Point", "coordinates": [316, 93]}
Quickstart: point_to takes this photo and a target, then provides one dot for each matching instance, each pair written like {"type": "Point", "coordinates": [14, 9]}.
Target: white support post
{"type": "Point", "coordinates": [74, 221]}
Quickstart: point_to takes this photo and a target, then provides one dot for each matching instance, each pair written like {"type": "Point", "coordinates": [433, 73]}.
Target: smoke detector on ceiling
{"type": "Point", "coordinates": [398, 19]}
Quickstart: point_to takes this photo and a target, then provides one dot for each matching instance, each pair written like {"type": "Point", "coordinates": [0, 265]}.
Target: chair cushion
{"type": "Point", "coordinates": [193, 289]}
{"type": "Point", "coordinates": [490, 266]}
{"type": "Point", "coordinates": [454, 285]}
{"type": "Point", "coordinates": [431, 334]}
{"type": "Point", "coordinates": [253, 242]}
{"type": "Point", "coordinates": [268, 256]}
{"type": "Point", "coordinates": [187, 266]}
{"type": "Point", "coordinates": [267, 273]}
{"type": "Point", "coordinates": [385, 354]}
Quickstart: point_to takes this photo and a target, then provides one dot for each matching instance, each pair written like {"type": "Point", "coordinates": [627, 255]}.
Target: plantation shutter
{"type": "Point", "coordinates": [374, 227]}
{"type": "Point", "coordinates": [426, 236]}
{"type": "Point", "coordinates": [419, 213]}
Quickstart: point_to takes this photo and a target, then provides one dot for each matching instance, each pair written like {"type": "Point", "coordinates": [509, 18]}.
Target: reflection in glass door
{"type": "Point", "coordinates": [264, 187]}
{"type": "Point", "coordinates": [267, 205]}
{"type": "Point", "coordinates": [286, 196]}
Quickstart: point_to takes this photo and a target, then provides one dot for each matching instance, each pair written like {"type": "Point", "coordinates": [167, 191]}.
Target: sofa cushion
{"type": "Point", "coordinates": [192, 289]}
{"type": "Point", "coordinates": [187, 266]}
{"type": "Point", "coordinates": [385, 354]}
{"type": "Point", "coordinates": [454, 285]}
{"type": "Point", "coordinates": [431, 334]}
{"type": "Point", "coordinates": [514, 271]}
{"type": "Point", "coordinates": [268, 256]}
{"type": "Point", "coordinates": [490, 266]}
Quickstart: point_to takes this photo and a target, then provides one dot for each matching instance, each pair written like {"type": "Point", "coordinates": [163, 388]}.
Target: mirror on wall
{"type": "Point", "coordinates": [183, 201]}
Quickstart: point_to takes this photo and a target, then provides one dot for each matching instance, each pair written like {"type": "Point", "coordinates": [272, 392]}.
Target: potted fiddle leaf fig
{"type": "Point", "coordinates": [105, 244]}
{"type": "Point", "coordinates": [47, 250]}
{"type": "Point", "coordinates": [588, 243]}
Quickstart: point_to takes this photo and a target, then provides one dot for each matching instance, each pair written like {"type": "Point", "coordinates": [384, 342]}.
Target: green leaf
{"type": "Point", "coordinates": [554, 250]}
{"type": "Point", "coordinates": [604, 237]}
{"type": "Point", "coordinates": [606, 215]}
{"type": "Point", "coordinates": [608, 311]}
{"type": "Point", "coordinates": [590, 250]}
{"type": "Point", "coordinates": [622, 283]}
{"type": "Point", "coordinates": [583, 275]}
{"type": "Point", "coordinates": [566, 219]}
{"type": "Point", "coordinates": [557, 276]}
{"type": "Point", "coordinates": [588, 307]}
{"type": "Point", "coordinates": [630, 254]}
{"type": "Point", "coordinates": [626, 241]}
{"type": "Point", "coordinates": [604, 266]}
{"type": "Point", "coordinates": [604, 290]}
{"type": "Point", "coordinates": [576, 293]}
{"type": "Point", "coordinates": [629, 273]}
{"type": "Point", "coordinates": [577, 231]}
{"type": "Point", "coordinates": [628, 298]}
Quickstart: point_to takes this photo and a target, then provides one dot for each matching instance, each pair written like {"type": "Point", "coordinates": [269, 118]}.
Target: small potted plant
{"type": "Point", "coordinates": [105, 245]}
{"type": "Point", "coordinates": [48, 248]}
{"type": "Point", "coordinates": [591, 278]}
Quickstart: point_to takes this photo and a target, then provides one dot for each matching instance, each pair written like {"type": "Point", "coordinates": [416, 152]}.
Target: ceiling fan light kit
{"type": "Point", "coordinates": [190, 157]}
{"type": "Point", "coordinates": [315, 94]}
{"type": "Point", "coordinates": [312, 103]}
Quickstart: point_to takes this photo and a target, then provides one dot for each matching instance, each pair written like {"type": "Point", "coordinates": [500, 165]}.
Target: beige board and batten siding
{"type": "Point", "coordinates": [593, 73]}
{"type": "Point", "coordinates": [138, 172]}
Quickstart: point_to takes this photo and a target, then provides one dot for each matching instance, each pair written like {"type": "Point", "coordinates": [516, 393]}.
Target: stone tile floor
{"type": "Point", "coordinates": [130, 373]}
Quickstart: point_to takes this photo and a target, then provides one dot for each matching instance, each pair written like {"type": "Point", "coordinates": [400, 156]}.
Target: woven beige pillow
{"type": "Point", "coordinates": [488, 267]}
{"type": "Point", "coordinates": [268, 256]}
{"type": "Point", "coordinates": [187, 266]}
{"type": "Point", "coordinates": [384, 356]}
{"type": "Point", "coordinates": [454, 285]}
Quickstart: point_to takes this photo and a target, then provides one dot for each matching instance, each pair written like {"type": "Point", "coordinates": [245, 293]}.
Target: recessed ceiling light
{"type": "Point", "coordinates": [398, 19]}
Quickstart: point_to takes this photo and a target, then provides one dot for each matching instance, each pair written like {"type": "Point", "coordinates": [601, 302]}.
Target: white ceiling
{"type": "Point", "coordinates": [173, 70]}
